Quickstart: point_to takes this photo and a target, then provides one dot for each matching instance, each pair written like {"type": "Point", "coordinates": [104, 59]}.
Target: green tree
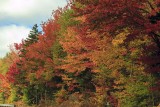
{"type": "Point", "coordinates": [2, 98]}
{"type": "Point", "coordinates": [33, 36]}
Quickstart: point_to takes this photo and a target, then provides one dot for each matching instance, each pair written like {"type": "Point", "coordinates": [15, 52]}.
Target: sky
{"type": "Point", "coordinates": [17, 18]}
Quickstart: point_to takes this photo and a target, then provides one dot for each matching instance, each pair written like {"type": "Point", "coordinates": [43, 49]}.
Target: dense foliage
{"type": "Point", "coordinates": [100, 53]}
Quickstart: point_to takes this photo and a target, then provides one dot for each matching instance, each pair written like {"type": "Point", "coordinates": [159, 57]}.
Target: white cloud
{"type": "Point", "coordinates": [11, 34]}
{"type": "Point", "coordinates": [17, 7]}
{"type": "Point", "coordinates": [28, 11]}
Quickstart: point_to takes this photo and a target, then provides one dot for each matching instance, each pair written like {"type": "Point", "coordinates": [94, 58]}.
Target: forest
{"type": "Point", "coordinates": [91, 53]}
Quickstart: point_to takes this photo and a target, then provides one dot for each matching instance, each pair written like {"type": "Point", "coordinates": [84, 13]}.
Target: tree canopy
{"type": "Point", "coordinates": [90, 53]}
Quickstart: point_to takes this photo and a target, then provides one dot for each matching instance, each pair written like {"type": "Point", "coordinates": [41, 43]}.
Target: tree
{"type": "Point", "coordinates": [104, 52]}
{"type": "Point", "coordinates": [36, 65]}
{"type": "Point", "coordinates": [109, 18]}
{"type": "Point", "coordinates": [33, 36]}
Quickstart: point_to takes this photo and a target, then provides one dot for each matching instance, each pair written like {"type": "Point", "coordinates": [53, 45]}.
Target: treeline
{"type": "Point", "coordinates": [99, 53]}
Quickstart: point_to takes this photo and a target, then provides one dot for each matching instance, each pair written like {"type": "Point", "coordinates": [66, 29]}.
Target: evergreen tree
{"type": "Point", "coordinates": [33, 36]}
{"type": "Point", "coordinates": [2, 98]}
